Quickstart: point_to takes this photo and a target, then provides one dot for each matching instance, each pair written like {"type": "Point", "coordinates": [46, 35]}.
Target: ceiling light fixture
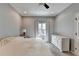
{"type": "Point", "coordinates": [25, 12]}
{"type": "Point", "coordinates": [45, 5]}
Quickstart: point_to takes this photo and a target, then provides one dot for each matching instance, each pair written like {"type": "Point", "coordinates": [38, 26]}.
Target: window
{"type": "Point", "coordinates": [42, 30]}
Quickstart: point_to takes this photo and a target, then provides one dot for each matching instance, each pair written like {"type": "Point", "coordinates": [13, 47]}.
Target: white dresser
{"type": "Point", "coordinates": [61, 42]}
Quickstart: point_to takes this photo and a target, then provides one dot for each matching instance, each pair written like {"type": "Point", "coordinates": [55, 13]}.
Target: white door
{"type": "Point", "coordinates": [42, 32]}
{"type": "Point", "coordinates": [76, 36]}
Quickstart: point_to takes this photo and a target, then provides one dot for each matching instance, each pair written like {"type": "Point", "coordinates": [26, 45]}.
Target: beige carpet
{"type": "Point", "coordinates": [18, 46]}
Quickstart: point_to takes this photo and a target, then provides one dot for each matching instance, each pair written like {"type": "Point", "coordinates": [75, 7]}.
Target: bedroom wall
{"type": "Point", "coordinates": [64, 23]}
{"type": "Point", "coordinates": [10, 21]}
{"type": "Point", "coordinates": [29, 24]}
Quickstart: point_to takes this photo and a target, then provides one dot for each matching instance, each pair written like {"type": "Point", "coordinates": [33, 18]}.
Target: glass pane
{"type": "Point", "coordinates": [42, 30]}
{"type": "Point", "coordinates": [39, 26]}
{"type": "Point", "coordinates": [43, 25]}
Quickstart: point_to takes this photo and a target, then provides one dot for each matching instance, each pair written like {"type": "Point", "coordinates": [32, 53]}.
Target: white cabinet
{"type": "Point", "coordinates": [61, 42]}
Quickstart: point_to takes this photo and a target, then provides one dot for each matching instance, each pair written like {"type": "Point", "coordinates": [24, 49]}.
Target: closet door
{"type": "Point", "coordinates": [76, 35]}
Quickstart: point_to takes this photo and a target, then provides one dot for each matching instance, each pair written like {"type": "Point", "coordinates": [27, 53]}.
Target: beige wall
{"type": "Point", "coordinates": [30, 24]}
{"type": "Point", "coordinates": [10, 21]}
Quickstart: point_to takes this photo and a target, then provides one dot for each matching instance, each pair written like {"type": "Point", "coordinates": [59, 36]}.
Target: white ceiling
{"type": "Point", "coordinates": [34, 9]}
